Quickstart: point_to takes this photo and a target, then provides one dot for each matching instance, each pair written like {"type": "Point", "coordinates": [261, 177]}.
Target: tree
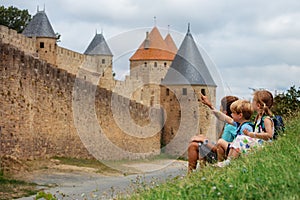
{"type": "Point", "coordinates": [287, 103]}
{"type": "Point", "coordinates": [14, 18]}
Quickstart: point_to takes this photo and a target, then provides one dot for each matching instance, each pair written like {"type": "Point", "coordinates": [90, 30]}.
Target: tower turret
{"type": "Point", "coordinates": [99, 50]}
{"type": "Point", "coordinates": [150, 62]}
{"type": "Point", "coordinates": [40, 28]}
{"type": "Point", "coordinates": [187, 76]}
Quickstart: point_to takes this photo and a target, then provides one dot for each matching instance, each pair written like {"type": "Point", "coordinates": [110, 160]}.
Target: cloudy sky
{"type": "Point", "coordinates": [250, 44]}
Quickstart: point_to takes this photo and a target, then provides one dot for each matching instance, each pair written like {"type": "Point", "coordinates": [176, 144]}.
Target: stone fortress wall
{"type": "Point", "coordinates": [10, 36]}
{"type": "Point", "coordinates": [66, 59]}
{"type": "Point", "coordinates": [37, 105]}
{"type": "Point", "coordinates": [37, 116]}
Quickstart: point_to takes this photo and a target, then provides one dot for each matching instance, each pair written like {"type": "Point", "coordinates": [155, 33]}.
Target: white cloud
{"type": "Point", "coordinates": [270, 77]}
{"type": "Point", "coordinates": [243, 38]}
{"type": "Point", "coordinates": [281, 26]}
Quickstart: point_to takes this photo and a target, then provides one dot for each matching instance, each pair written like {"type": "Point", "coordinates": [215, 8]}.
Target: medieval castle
{"type": "Point", "coordinates": [57, 102]}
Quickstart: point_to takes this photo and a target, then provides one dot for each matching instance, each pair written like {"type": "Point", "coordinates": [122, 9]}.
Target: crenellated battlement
{"type": "Point", "coordinates": [66, 59]}
{"type": "Point", "coordinates": [10, 36]}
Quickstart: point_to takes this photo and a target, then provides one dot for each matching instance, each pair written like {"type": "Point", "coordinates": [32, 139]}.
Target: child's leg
{"type": "Point", "coordinates": [198, 138]}
{"type": "Point", "coordinates": [193, 156]}
{"type": "Point", "coordinates": [222, 146]}
{"type": "Point", "coordinates": [233, 153]}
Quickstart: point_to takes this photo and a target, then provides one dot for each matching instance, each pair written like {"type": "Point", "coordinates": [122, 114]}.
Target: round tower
{"type": "Point", "coordinates": [150, 63]}
{"type": "Point", "coordinates": [99, 51]}
{"type": "Point", "coordinates": [40, 28]}
{"type": "Point", "coordinates": [185, 116]}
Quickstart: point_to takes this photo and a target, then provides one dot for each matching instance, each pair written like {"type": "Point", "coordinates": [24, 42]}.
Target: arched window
{"type": "Point", "coordinates": [155, 64]}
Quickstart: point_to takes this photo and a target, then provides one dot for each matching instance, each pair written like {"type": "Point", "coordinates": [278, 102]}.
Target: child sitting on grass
{"type": "Point", "coordinates": [263, 131]}
{"type": "Point", "coordinates": [240, 118]}
{"type": "Point", "coordinates": [228, 134]}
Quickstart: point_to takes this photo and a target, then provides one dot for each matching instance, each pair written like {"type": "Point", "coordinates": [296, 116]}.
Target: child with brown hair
{"type": "Point", "coordinates": [240, 118]}
{"type": "Point", "coordinates": [263, 131]}
{"type": "Point", "coordinates": [228, 134]}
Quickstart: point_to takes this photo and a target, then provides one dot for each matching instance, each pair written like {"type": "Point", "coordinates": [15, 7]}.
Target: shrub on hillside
{"type": "Point", "coordinates": [287, 103]}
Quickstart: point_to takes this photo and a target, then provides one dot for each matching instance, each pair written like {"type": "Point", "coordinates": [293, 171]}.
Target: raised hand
{"type": "Point", "coordinates": [205, 101]}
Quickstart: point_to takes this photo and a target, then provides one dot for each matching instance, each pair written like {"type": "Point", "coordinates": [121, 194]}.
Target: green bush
{"type": "Point", "coordinates": [288, 103]}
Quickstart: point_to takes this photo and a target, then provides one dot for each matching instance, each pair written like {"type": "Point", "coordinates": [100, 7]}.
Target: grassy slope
{"type": "Point", "coordinates": [271, 173]}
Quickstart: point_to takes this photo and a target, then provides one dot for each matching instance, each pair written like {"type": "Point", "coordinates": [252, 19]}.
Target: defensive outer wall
{"type": "Point", "coordinates": [37, 118]}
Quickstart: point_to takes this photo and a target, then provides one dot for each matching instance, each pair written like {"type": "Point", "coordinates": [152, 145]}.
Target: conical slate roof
{"type": "Point", "coordinates": [39, 26]}
{"type": "Point", "coordinates": [153, 48]}
{"type": "Point", "coordinates": [98, 46]}
{"type": "Point", "coordinates": [188, 67]}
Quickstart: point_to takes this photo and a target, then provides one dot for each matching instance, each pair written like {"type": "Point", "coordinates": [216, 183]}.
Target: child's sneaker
{"type": "Point", "coordinates": [223, 164]}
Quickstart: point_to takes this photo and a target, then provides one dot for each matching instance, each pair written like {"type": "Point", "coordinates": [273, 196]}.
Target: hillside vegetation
{"type": "Point", "coordinates": [270, 173]}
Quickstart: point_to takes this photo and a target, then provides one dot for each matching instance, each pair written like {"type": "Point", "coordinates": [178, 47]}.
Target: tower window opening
{"type": "Point", "coordinates": [155, 64]}
{"type": "Point", "coordinates": [103, 61]}
{"type": "Point", "coordinates": [42, 45]}
{"type": "Point", "coordinates": [145, 64]}
{"type": "Point", "coordinates": [184, 91]}
{"type": "Point", "coordinates": [203, 92]}
{"type": "Point", "coordinates": [168, 92]}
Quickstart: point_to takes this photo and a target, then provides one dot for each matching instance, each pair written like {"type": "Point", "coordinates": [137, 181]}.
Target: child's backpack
{"type": "Point", "coordinates": [278, 125]}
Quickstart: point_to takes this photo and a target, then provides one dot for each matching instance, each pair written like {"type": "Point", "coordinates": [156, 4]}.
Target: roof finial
{"type": "Point", "coordinates": [168, 29]}
{"type": "Point", "coordinates": [44, 7]}
{"type": "Point", "coordinates": [37, 8]}
{"type": "Point", "coordinates": [188, 28]}
{"type": "Point", "coordinates": [96, 31]}
{"type": "Point", "coordinates": [154, 18]}
{"type": "Point", "coordinates": [101, 31]}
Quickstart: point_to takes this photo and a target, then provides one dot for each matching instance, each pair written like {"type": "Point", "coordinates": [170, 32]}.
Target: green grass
{"type": "Point", "coordinates": [269, 173]}
{"type": "Point", "coordinates": [10, 188]}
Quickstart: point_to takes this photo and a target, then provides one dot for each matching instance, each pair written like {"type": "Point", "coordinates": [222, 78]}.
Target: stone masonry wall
{"type": "Point", "coordinates": [38, 120]}
{"type": "Point", "coordinates": [185, 117]}
{"type": "Point", "coordinates": [64, 58]}
{"type": "Point", "coordinates": [10, 36]}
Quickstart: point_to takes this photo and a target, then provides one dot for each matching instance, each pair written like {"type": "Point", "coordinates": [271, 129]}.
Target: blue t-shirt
{"type": "Point", "coordinates": [243, 127]}
{"type": "Point", "coordinates": [229, 133]}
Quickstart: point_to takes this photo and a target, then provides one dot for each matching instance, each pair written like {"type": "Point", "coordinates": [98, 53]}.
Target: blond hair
{"type": "Point", "coordinates": [265, 100]}
{"type": "Point", "coordinates": [242, 106]}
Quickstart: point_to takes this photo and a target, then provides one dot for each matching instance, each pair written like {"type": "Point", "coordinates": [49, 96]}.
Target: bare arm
{"type": "Point", "coordinates": [263, 135]}
{"type": "Point", "coordinates": [221, 116]}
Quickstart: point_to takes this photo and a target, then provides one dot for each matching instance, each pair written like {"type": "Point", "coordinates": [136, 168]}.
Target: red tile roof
{"type": "Point", "coordinates": [170, 43]}
{"type": "Point", "coordinates": [156, 48]}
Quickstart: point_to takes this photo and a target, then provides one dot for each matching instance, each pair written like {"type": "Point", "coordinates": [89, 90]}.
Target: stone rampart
{"type": "Point", "coordinates": [38, 116]}
{"type": "Point", "coordinates": [10, 36]}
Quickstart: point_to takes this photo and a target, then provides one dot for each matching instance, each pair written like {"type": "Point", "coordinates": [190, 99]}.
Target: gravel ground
{"type": "Point", "coordinates": [84, 183]}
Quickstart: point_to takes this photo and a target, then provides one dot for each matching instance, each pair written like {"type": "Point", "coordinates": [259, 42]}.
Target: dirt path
{"type": "Point", "coordinates": [72, 182]}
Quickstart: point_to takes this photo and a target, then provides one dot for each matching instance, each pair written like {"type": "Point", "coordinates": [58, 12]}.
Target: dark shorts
{"type": "Point", "coordinates": [227, 150]}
